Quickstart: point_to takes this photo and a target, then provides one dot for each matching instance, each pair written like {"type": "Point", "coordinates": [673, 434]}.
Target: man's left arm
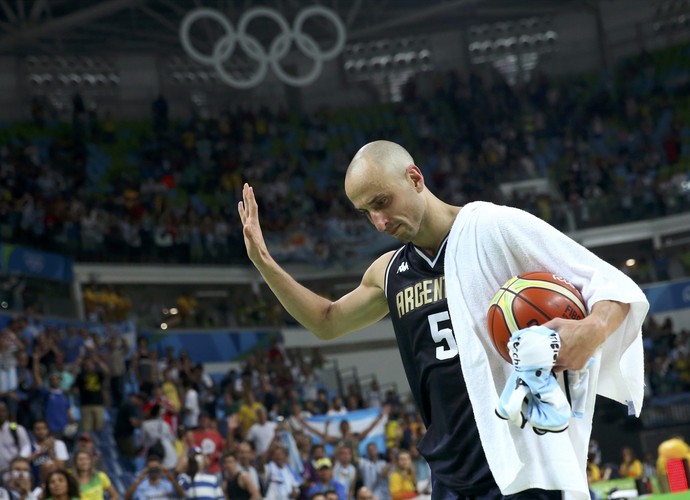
{"type": "Point", "coordinates": [580, 338]}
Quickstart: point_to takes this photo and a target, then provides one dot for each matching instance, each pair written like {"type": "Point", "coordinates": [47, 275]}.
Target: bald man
{"type": "Point", "coordinates": [385, 185]}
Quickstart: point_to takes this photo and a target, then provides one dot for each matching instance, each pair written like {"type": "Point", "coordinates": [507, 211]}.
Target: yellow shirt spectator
{"type": "Point", "coordinates": [402, 481]}
{"type": "Point", "coordinates": [247, 415]}
{"type": "Point", "coordinates": [170, 391]}
{"type": "Point", "coordinates": [630, 466]}
{"type": "Point", "coordinates": [96, 489]}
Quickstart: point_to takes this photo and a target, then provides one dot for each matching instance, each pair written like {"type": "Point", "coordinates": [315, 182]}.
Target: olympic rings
{"type": "Point", "coordinates": [278, 49]}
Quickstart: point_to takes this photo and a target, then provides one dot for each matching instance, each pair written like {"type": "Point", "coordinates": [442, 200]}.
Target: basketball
{"type": "Point", "coordinates": [531, 299]}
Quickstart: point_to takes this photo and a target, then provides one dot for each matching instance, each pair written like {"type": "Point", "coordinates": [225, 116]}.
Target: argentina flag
{"type": "Point", "coordinates": [359, 420]}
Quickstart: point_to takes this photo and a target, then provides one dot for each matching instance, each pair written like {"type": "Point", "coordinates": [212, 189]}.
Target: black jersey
{"type": "Point", "coordinates": [416, 293]}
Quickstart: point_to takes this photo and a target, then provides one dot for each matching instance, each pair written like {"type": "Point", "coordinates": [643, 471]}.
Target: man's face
{"type": "Point", "coordinates": [4, 413]}
{"type": "Point", "coordinates": [154, 469]}
{"type": "Point", "coordinates": [325, 474]}
{"type": "Point", "coordinates": [392, 205]}
{"type": "Point", "coordinates": [244, 454]}
{"type": "Point", "coordinates": [20, 471]}
{"type": "Point", "coordinates": [40, 430]}
{"type": "Point", "coordinates": [229, 464]}
{"type": "Point", "coordinates": [344, 455]}
{"type": "Point", "coordinates": [279, 456]}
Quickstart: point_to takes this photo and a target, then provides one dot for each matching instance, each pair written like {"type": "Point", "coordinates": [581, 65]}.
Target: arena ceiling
{"type": "Point", "coordinates": [75, 27]}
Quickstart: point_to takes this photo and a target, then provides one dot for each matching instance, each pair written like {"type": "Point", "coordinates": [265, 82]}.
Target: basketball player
{"type": "Point", "coordinates": [386, 186]}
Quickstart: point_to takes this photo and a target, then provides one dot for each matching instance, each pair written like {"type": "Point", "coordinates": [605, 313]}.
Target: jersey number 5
{"type": "Point", "coordinates": [442, 336]}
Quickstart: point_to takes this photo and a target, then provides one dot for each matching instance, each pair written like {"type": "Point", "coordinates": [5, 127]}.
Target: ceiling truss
{"type": "Point", "coordinates": [32, 27]}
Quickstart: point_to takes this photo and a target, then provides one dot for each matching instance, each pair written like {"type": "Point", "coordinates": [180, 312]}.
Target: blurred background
{"type": "Point", "coordinates": [128, 127]}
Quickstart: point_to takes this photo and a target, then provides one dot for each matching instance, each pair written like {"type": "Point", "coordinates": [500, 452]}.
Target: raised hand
{"type": "Point", "coordinates": [251, 229]}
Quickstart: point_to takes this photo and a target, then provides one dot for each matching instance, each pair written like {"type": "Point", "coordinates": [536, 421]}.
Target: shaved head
{"type": "Point", "coordinates": [383, 183]}
{"type": "Point", "coordinates": [380, 157]}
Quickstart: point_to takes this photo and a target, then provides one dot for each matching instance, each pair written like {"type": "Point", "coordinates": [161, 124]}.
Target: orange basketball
{"type": "Point", "coordinates": [531, 299]}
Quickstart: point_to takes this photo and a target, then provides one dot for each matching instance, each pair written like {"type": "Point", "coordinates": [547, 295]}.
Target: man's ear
{"type": "Point", "coordinates": [416, 177]}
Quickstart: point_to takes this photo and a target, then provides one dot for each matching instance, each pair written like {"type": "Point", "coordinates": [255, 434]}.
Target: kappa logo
{"type": "Point", "coordinates": [403, 267]}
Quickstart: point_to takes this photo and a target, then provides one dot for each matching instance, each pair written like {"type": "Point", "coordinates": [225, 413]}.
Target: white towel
{"type": "Point", "coordinates": [488, 245]}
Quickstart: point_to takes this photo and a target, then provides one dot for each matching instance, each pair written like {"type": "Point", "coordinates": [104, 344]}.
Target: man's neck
{"type": "Point", "coordinates": [437, 226]}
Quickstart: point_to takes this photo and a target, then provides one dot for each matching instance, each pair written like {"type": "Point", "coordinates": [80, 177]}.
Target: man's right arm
{"type": "Point", "coordinates": [327, 319]}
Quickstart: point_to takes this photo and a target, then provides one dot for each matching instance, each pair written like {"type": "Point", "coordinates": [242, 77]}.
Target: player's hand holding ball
{"type": "Point", "coordinates": [518, 312]}
{"type": "Point", "coordinates": [531, 299]}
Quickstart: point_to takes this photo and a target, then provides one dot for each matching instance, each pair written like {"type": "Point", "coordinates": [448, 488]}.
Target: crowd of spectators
{"type": "Point", "coordinates": [612, 150]}
{"type": "Point", "coordinates": [174, 427]}
{"type": "Point", "coordinates": [667, 356]}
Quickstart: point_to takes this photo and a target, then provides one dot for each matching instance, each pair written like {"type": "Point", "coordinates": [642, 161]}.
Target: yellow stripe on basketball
{"type": "Point", "coordinates": [523, 284]}
{"type": "Point", "coordinates": [504, 300]}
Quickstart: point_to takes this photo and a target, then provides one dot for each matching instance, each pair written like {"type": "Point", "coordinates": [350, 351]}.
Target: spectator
{"type": "Point", "coordinates": [85, 443]}
{"type": "Point", "coordinates": [374, 396]}
{"type": "Point", "coordinates": [47, 351]}
{"type": "Point", "coordinates": [631, 466]}
{"type": "Point", "coordinates": [278, 479]}
{"type": "Point", "coordinates": [127, 421]}
{"type": "Point", "coordinates": [170, 393]}
{"type": "Point", "coordinates": [167, 410]}
{"type": "Point", "coordinates": [403, 480]}
{"type": "Point", "coordinates": [593, 470]}
{"type": "Point", "coordinates": [10, 345]}
{"type": "Point", "coordinates": [19, 483]}
{"type": "Point", "coordinates": [246, 458]}
{"type": "Point", "coordinates": [197, 481]}
{"type": "Point", "coordinates": [344, 471]}
{"type": "Point", "coordinates": [210, 441]}
{"type": "Point", "coordinates": [55, 402]}
{"type": "Point", "coordinates": [27, 404]}
{"type": "Point", "coordinates": [374, 472]}
{"type": "Point", "coordinates": [207, 389]}
{"type": "Point", "coordinates": [93, 484]}
{"type": "Point", "coordinates": [421, 468]}
{"type": "Point", "coordinates": [337, 407]}
{"type": "Point", "coordinates": [72, 345]}
{"type": "Point", "coordinates": [309, 473]}
{"type": "Point", "coordinates": [154, 482]}
{"type": "Point", "coordinates": [90, 387]}
{"type": "Point", "coordinates": [144, 365]}
{"type": "Point", "coordinates": [237, 485]}
{"type": "Point", "coordinates": [248, 411]}
{"type": "Point", "coordinates": [325, 481]}
{"type": "Point", "coordinates": [60, 485]}
{"type": "Point", "coordinates": [14, 440]}
{"type": "Point", "coordinates": [115, 356]}
{"type": "Point", "coordinates": [47, 452]}
{"type": "Point", "coordinates": [191, 408]}
{"type": "Point", "coordinates": [157, 437]}
{"type": "Point", "coordinates": [262, 433]}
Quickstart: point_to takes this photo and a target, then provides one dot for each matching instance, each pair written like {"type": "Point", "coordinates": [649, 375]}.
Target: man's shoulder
{"type": "Point", "coordinates": [375, 273]}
